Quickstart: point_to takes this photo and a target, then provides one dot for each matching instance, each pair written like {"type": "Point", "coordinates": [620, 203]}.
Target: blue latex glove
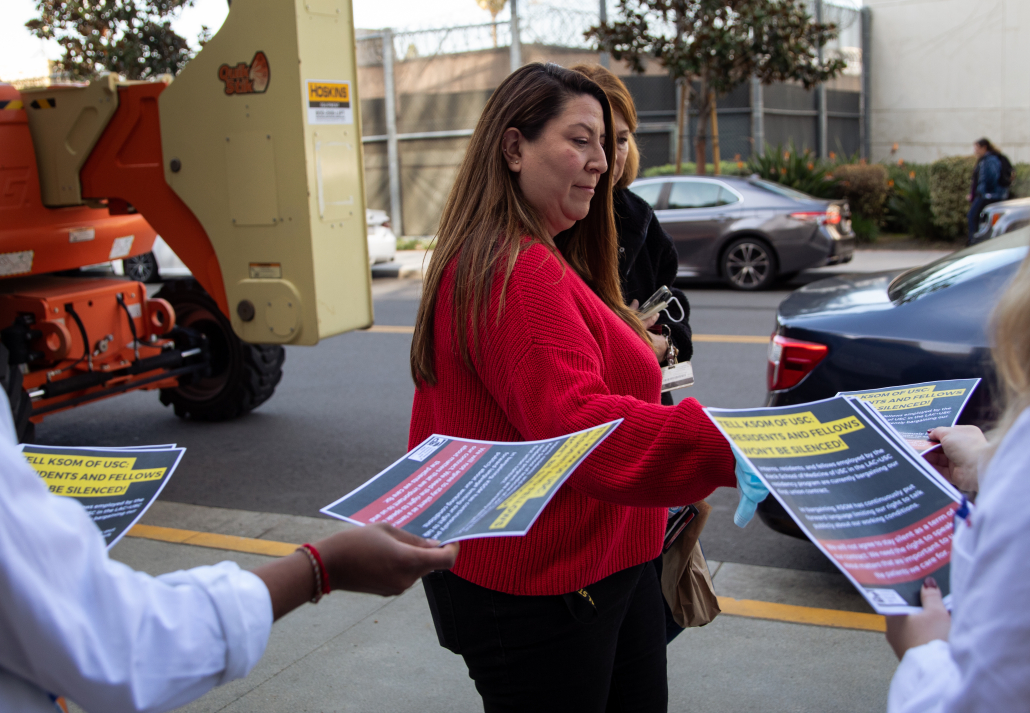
{"type": "Point", "coordinates": [752, 491]}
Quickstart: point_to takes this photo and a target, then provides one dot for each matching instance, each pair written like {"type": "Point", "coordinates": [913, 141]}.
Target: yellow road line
{"type": "Point", "coordinates": [802, 615]}
{"type": "Point", "coordinates": [210, 539]}
{"type": "Point", "coordinates": [730, 338]}
{"type": "Point", "coordinates": [717, 338]}
{"type": "Point", "coordinates": [735, 607]}
{"type": "Point", "coordinates": [389, 329]}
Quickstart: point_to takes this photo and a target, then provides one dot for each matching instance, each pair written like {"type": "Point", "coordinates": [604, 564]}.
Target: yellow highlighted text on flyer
{"type": "Point", "coordinates": [917, 397]}
{"type": "Point", "coordinates": [556, 466]}
{"type": "Point", "coordinates": [799, 434]}
{"type": "Point", "coordinates": [90, 477]}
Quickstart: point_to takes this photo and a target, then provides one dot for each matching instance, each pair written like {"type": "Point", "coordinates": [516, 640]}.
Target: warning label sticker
{"type": "Point", "coordinates": [329, 102]}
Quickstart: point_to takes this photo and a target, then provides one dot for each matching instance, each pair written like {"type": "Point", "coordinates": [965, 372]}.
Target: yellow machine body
{"type": "Point", "coordinates": [261, 139]}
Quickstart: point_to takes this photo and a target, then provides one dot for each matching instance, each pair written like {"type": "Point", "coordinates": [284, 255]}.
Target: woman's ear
{"type": "Point", "coordinates": [511, 147]}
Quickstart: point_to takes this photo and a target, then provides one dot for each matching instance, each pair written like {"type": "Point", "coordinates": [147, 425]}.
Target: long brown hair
{"type": "Point", "coordinates": [622, 102]}
{"type": "Point", "coordinates": [1011, 350]}
{"type": "Point", "coordinates": [486, 215]}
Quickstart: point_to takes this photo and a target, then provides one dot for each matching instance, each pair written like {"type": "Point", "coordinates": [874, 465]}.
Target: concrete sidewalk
{"type": "Point", "coordinates": [357, 652]}
{"type": "Point", "coordinates": [412, 263]}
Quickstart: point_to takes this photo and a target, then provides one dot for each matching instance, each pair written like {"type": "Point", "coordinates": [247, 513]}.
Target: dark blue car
{"type": "Point", "coordinates": [871, 331]}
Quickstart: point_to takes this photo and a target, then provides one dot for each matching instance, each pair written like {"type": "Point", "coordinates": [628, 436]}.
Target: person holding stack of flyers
{"type": "Point", "coordinates": [977, 658]}
{"type": "Point", "coordinates": [76, 624]}
{"type": "Point", "coordinates": [516, 341]}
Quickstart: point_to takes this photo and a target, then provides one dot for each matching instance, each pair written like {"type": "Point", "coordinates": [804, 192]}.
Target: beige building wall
{"type": "Point", "coordinates": [945, 73]}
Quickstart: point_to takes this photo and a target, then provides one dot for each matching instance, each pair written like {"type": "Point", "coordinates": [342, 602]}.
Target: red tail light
{"type": "Point", "coordinates": [791, 360]}
{"type": "Point", "coordinates": [830, 216]}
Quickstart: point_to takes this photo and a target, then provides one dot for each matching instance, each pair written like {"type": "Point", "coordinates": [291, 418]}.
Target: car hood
{"type": "Point", "coordinates": [840, 295]}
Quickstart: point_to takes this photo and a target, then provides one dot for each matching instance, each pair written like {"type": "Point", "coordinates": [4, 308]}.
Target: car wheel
{"type": "Point", "coordinates": [142, 268]}
{"type": "Point", "coordinates": [241, 377]}
{"type": "Point", "coordinates": [748, 264]}
{"type": "Point", "coordinates": [21, 404]}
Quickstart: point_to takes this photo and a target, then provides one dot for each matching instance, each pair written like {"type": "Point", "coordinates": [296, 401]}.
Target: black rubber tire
{"type": "Point", "coordinates": [748, 264]}
{"type": "Point", "coordinates": [142, 268]}
{"type": "Point", "coordinates": [21, 404]}
{"type": "Point", "coordinates": [242, 377]}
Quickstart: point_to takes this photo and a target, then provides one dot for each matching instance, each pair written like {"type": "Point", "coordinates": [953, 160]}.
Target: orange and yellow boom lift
{"type": "Point", "coordinates": [248, 165]}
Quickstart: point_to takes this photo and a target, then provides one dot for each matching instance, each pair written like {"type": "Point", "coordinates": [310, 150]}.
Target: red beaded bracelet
{"type": "Point", "coordinates": [322, 585]}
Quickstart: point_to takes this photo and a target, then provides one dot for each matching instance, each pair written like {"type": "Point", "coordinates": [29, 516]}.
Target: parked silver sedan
{"type": "Point", "coordinates": [747, 231]}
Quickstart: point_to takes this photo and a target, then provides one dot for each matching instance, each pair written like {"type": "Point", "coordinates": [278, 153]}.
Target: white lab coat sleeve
{"type": "Point", "coordinates": [922, 679]}
{"type": "Point", "coordinates": [77, 624]}
{"type": "Point", "coordinates": [986, 664]}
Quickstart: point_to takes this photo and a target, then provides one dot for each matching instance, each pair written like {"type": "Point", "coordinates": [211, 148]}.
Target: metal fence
{"type": "Point", "coordinates": [421, 99]}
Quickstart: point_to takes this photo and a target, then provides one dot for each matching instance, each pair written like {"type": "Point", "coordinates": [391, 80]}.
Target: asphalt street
{"type": "Point", "coordinates": [341, 414]}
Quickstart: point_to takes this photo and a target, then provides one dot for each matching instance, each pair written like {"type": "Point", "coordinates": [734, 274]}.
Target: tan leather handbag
{"type": "Point", "coordinates": [686, 581]}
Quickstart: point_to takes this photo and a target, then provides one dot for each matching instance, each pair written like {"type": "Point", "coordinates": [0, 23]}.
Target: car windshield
{"type": "Point", "coordinates": [960, 266]}
{"type": "Point", "coordinates": [781, 190]}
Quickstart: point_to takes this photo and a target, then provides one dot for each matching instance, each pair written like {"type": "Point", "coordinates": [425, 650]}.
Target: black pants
{"type": "Point", "coordinates": [568, 653]}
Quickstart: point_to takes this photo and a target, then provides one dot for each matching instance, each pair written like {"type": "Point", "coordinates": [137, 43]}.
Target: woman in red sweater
{"type": "Point", "coordinates": [515, 342]}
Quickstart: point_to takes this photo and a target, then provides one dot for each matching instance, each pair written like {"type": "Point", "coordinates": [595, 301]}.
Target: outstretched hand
{"type": "Point", "coordinates": [934, 622]}
{"type": "Point", "coordinates": [376, 559]}
{"type": "Point", "coordinates": [958, 458]}
{"type": "Point", "coordinates": [381, 559]}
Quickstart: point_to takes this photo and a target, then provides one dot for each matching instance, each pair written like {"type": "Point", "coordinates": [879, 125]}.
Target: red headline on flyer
{"type": "Point", "coordinates": [422, 488]}
{"type": "Point", "coordinates": [904, 555]}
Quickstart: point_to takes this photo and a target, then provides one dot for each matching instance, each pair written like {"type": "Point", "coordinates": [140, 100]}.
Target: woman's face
{"type": "Point", "coordinates": [621, 145]}
{"type": "Point", "coordinates": [559, 170]}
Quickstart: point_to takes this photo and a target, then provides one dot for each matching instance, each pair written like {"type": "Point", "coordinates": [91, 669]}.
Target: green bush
{"type": "Point", "coordinates": [727, 168]}
{"type": "Point", "coordinates": [864, 186]}
{"type": "Point", "coordinates": [908, 202]}
{"type": "Point", "coordinates": [949, 187]}
{"type": "Point", "coordinates": [1020, 181]}
{"type": "Point", "coordinates": [800, 170]}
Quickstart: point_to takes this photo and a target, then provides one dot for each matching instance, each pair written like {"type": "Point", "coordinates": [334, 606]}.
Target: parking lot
{"type": "Point", "coordinates": [795, 637]}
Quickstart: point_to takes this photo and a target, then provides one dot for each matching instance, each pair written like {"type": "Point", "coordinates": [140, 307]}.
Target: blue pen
{"type": "Point", "coordinates": [963, 512]}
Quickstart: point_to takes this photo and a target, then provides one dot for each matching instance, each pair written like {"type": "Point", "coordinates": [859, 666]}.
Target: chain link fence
{"type": "Point", "coordinates": [421, 100]}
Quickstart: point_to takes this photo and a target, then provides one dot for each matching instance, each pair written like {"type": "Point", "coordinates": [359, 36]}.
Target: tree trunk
{"type": "Point", "coordinates": [716, 158]}
{"type": "Point", "coordinates": [701, 142]}
{"type": "Point", "coordinates": [681, 119]}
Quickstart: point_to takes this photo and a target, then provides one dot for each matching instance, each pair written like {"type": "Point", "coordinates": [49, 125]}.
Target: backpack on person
{"type": "Point", "coordinates": [1005, 177]}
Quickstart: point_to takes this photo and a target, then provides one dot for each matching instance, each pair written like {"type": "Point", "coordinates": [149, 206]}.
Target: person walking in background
{"type": "Point", "coordinates": [516, 341]}
{"type": "Point", "coordinates": [992, 177]}
{"type": "Point", "coordinates": [647, 257]}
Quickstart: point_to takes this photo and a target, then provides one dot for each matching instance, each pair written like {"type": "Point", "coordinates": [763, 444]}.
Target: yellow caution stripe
{"type": "Point", "coordinates": [11, 105]}
{"type": "Point", "coordinates": [44, 103]}
{"type": "Point", "coordinates": [713, 338]}
{"type": "Point", "coordinates": [748, 608]}
{"type": "Point", "coordinates": [802, 615]}
{"type": "Point", "coordinates": [213, 540]}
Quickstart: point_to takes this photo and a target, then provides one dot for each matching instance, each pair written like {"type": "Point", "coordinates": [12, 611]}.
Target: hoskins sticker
{"type": "Point", "coordinates": [244, 78]}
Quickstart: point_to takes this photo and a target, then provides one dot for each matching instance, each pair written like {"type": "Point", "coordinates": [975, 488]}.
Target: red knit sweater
{"type": "Point", "coordinates": [560, 361]}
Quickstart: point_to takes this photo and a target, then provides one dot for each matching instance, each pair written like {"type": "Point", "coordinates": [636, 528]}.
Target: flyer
{"type": "Point", "coordinates": [917, 408]}
{"type": "Point", "coordinates": [881, 514]}
{"type": "Point", "coordinates": [115, 485]}
{"type": "Point", "coordinates": [451, 489]}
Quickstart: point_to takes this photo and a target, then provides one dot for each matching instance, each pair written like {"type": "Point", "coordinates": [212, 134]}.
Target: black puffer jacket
{"type": "Point", "coordinates": [647, 260]}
